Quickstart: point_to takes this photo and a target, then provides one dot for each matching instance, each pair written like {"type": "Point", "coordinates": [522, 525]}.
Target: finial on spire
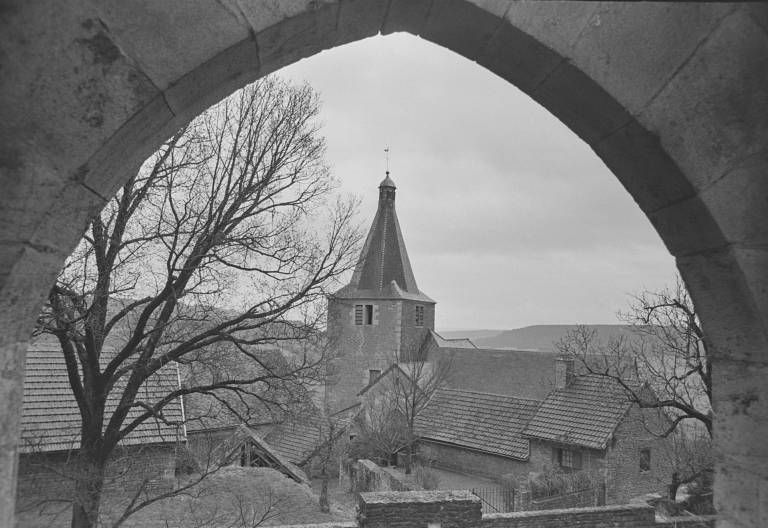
{"type": "Point", "coordinates": [386, 157]}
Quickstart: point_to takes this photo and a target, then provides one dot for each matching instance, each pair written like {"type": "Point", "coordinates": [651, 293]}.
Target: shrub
{"type": "Point", "coordinates": [186, 464]}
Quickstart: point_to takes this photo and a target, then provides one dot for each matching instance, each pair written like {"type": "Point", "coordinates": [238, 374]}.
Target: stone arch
{"type": "Point", "coordinates": [671, 97]}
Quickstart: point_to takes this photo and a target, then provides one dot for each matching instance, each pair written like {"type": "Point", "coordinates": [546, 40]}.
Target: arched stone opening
{"type": "Point", "coordinates": [672, 98]}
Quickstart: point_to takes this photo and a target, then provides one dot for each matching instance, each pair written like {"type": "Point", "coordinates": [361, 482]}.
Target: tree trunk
{"type": "Point", "coordinates": [408, 457]}
{"type": "Point", "coordinates": [325, 505]}
{"type": "Point", "coordinates": [88, 486]}
{"type": "Point", "coordinates": [674, 486]}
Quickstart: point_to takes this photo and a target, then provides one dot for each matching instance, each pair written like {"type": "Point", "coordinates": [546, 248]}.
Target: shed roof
{"type": "Point", "coordinates": [585, 413]}
{"type": "Point", "coordinates": [491, 423]}
{"type": "Point", "coordinates": [275, 459]}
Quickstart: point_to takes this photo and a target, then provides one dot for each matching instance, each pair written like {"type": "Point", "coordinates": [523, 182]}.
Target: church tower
{"type": "Point", "coordinates": [381, 316]}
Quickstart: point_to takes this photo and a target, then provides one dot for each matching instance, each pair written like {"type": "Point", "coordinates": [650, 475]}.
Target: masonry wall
{"type": "Point", "coordinates": [418, 509]}
{"type": "Point", "coordinates": [48, 476]}
{"type": "Point", "coordinates": [625, 480]}
{"type": "Point", "coordinates": [470, 462]}
{"type": "Point", "coordinates": [412, 336]}
{"type": "Point", "coordinates": [623, 516]}
{"type": "Point", "coordinates": [361, 348]}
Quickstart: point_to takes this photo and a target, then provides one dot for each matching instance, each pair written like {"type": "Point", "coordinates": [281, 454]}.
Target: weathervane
{"type": "Point", "coordinates": [386, 157]}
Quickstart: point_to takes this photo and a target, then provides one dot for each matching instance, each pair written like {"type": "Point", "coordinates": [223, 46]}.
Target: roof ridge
{"type": "Point", "coordinates": [490, 394]}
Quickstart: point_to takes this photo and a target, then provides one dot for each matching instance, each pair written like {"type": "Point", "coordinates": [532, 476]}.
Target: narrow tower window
{"type": "Point", "coordinates": [358, 314]}
{"type": "Point", "coordinates": [419, 315]}
{"type": "Point", "coordinates": [645, 460]}
{"type": "Point", "coordinates": [368, 314]}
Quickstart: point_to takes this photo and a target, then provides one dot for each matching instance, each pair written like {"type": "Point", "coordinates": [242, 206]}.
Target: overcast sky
{"type": "Point", "coordinates": [509, 218]}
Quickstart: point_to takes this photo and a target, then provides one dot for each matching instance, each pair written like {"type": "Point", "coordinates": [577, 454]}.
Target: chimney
{"type": "Point", "coordinates": [563, 372]}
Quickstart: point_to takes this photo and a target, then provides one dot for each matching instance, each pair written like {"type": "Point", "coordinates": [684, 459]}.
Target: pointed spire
{"type": "Point", "coordinates": [384, 270]}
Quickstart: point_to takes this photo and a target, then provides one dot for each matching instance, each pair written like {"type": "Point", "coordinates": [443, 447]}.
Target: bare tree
{"type": "Point", "coordinates": [381, 428]}
{"type": "Point", "coordinates": [666, 350]}
{"type": "Point", "coordinates": [406, 390]}
{"type": "Point", "coordinates": [225, 241]}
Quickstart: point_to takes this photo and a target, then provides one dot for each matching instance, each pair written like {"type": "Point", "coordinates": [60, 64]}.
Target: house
{"type": "Point", "coordinates": [50, 429]}
{"type": "Point", "coordinates": [497, 413]}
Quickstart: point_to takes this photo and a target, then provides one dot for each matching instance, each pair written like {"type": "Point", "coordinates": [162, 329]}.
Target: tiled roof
{"type": "Point", "coordinates": [518, 373]}
{"type": "Point", "coordinates": [205, 412]}
{"type": "Point", "coordinates": [586, 413]}
{"type": "Point", "coordinates": [491, 423]}
{"type": "Point", "coordinates": [298, 441]}
{"type": "Point", "coordinates": [50, 418]}
{"type": "Point", "coordinates": [451, 343]}
{"type": "Point", "coordinates": [223, 408]}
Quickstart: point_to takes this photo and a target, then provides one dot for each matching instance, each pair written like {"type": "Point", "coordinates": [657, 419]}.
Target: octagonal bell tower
{"type": "Point", "coordinates": [381, 316]}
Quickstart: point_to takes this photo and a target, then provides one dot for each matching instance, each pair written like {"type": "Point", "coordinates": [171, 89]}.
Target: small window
{"type": "Point", "coordinates": [363, 314]}
{"type": "Point", "coordinates": [645, 460]}
{"type": "Point", "coordinates": [419, 315]}
{"type": "Point", "coordinates": [569, 459]}
{"type": "Point", "coordinates": [372, 375]}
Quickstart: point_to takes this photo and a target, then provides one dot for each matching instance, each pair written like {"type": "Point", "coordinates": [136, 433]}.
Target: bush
{"type": "Point", "coordinates": [426, 477]}
{"type": "Point", "coordinates": [186, 464]}
{"type": "Point", "coordinates": [555, 482]}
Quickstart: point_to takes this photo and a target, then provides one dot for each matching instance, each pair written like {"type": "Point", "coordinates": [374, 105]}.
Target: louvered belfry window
{"type": "Point", "coordinates": [419, 315]}
{"type": "Point", "coordinates": [363, 314]}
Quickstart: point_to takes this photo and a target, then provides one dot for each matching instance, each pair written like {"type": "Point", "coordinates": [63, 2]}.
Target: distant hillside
{"type": "Point", "coordinates": [539, 337]}
{"type": "Point", "coordinates": [469, 334]}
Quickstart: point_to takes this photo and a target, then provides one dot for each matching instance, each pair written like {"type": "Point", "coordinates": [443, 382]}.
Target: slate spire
{"type": "Point", "coordinates": [384, 270]}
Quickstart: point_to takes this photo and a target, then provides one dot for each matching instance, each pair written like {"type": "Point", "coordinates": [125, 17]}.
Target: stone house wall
{"type": "Point", "coordinates": [463, 460]}
{"type": "Point", "coordinates": [622, 460]}
{"type": "Point", "coordinates": [48, 476]}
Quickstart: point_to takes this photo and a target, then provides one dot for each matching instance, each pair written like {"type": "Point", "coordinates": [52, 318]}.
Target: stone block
{"type": "Point", "coordinates": [741, 410]}
{"type": "Point", "coordinates": [713, 113]}
{"type": "Point", "coordinates": [32, 189]}
{"type": "Point", "coordinates": [753, 263]}
{"type": "Point", "coordinates": [740, 496]}
{"type": "Point", "coordinates": [556, 25]}
{"type": "Point", "coordinates": [359, 19]}
{"type": "Point", "coordinates": [121, 155]}
{"type": "Point", "coordinates": [214, 80]}
{"type": "Point", "coordinates": [580, 103]}
{"type": "Point", "coordinates": [726, 304]}
{"type": "Point", "coordinates": [632, 49]}
{"type": "Point", "coordinates": [297, 37]}
{"type": "Point", "coordinates": [406, 15]}
{"type": "Point", "coordinates": [82, 84]}
{"type": "Point", "coordinates": [638, 160]}
{"type": "Point", "coordinates": [462, 26]}
{"type": "Point", "coordinates": [517, 57]}
{"type": "Point", "coordinates": [170, 39]}
{"type": "Point", "coordinates": [739, 202]}
{"type": "Point", "coordinates": [687, 227]}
